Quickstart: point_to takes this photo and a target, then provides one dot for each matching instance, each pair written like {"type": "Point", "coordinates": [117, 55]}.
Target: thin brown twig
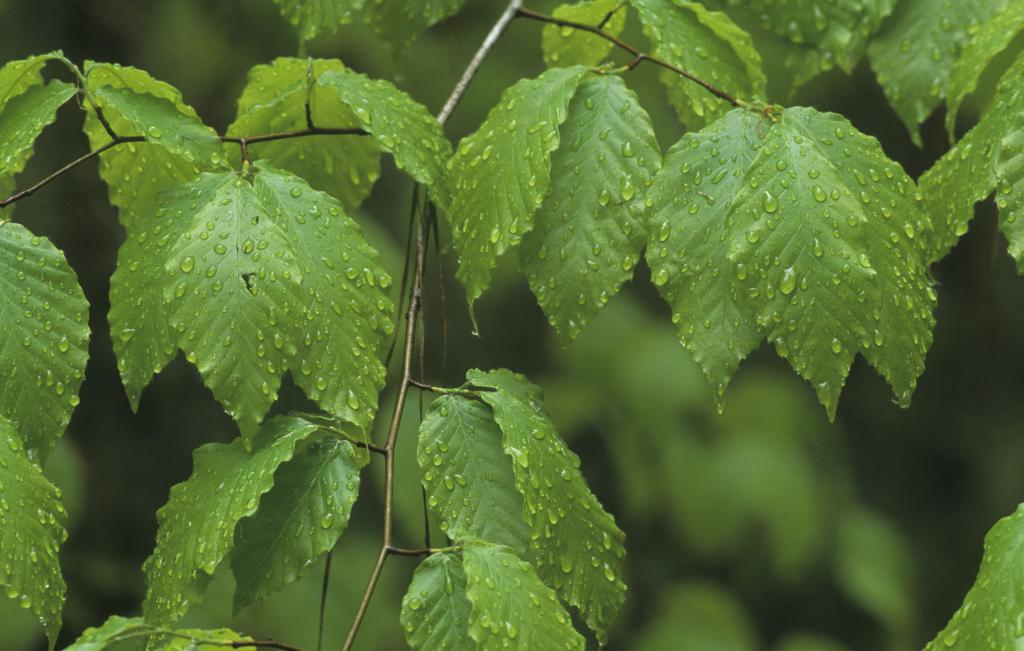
{"type": "Point", "coordinates": [474, 64]}
{"type": "Point", "coordinates": [117, 140]}
{"type": "Point", "coordinates": [29, 191]}
{"type": "Point", "coordinates": [299, 133]}
{"type": "Point", "coordinates": [415, 301]}
{"type": "Point", "coordinates": [415, 296]}
{"type": "Point", "coordinates": [323, 602]}
{"type": "Point", "coordinates": [639, 56]}
{"type": "Point", "coordinates": [264, 644]}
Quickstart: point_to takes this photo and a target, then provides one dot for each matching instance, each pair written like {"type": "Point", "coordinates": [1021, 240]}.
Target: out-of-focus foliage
{"type": "Point", "coordinates": [763, 528]}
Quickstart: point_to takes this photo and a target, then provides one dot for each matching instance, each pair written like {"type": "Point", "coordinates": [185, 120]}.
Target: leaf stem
{"type": "Point", "coordinates": [639, 56]}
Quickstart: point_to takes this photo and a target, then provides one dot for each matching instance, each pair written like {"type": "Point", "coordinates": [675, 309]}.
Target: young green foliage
{"type": "Point", "coordinates": [511, 607]}
{"type": "Point", "coordinates": [807, 234]}
{"type": "Point", "coordinates": [992, 615]}
{"type": "Point", "coordinates": [499, 175]}
{"type": "Point", "coordinates": [45, 320]}
{"type": "Point", "coordinates": [21, 74]}
{"type": "Point", "coordinates": [152, 117]}
{"type": "Point", "coordinates": [23, 118]}
{"type": "Point", "coordinates": [917, 50]}
{"type": "Point", "coordinates": [197, 525]}
{"type": "Point", "coordinates": [707, 44]}
{"type": "Point", "coordinates": [576, 546]}
{"type": "Point", "coordinates": [295, 284]}
{"type": "Point", "coordinates": [400, 21]}
{"type": "Point", "coordinates": [565, 46]}
{"type": "Point", "coordinates": [838, 31]}
{"type": "Point", "coordinates": [274, 101]}
{"type": "Point", "coordinates": [117, 631]}
{"type": "Point", "coordinates": [27, 116]}
{"type": "Point", "coordinates": [986, 41]}
{"type": "Point", "coordinates": [32, 531]}
{"type": "Point", "coordinates": [135, 173]}
{"type": "Point", "coordinates": [400, 125]}
{"type": "Point", "coordinates": [586, 238]}
{"type": "Point", "coordinates": [985, 160]}
{"type": "Point", "coordinates": [312, 18]}
{"type": "Point", "coordinates": [435, 609]}
{"type": "Point", "coordinates": [299, 520]}
{"type": "Point", "coordinates": [467, 475]}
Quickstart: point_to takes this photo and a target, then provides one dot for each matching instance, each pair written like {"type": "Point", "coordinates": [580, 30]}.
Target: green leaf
{"type": "Point", "coordinates": [399, 124]}
{"type": "Point", "coordinates": [511, 607]}
{"type": "Point", "coordinates": [295, 284]}
{"type": "Point", "coordinates": [499, 175]}
{"type": "Point", "coordinates": [469, 480]}
{"type": "Point", "coordinates": [435, 609]}
{"type": "Point", "coordinates": [16, 78]}
{"type": "Point", "coordinates": [347, 313]}
{"type": "Point", "coordinates": [100, 638]}
{"type": "Point", "coordinates": [713, 313]}
{"type": "Point", "coordinates": [577, 546]}
{"type": "Point", "coordinates": [19, 75]}
{"type": "Point", "coordinates": [992, 615]}
{"type": "Point", "coordinates": [914, 54]}
{"type": "Point", "coordinates": [230, 252]}
{"type": "Point", "coordinates": [986, 41]}
{"type": "Point", "coordinates": [33, 529]}
{"type": "Point", "coordinates": [800, 230]}
{"type": "Point", "coordinates": [400, 21]}
{"type": "Point", "coordinates": [985, 159]}
{"type": "Point", "coordinates": [587, 239]}
{"type": "Point", "coordinates": [274, 101]}
{"type": "Point", "coordinates": [565, 46]}
{"type": "Point", "coordinates": [135, 173]}
{"type": "Point", "coordinates": [301, 518]}
{"type": "Point", "coordinates": [117, 630]}
{"type": "Point", "coordinates": [707, 44]}
{"type": "Point", "coordinates": [162, 123]}
{"type": "Point", "coordinates": [839, 31]}
{"type": "Point", "coordinates": [194, 639]}
{"type": "Point", "coordinates": [45, 320]}
{"type": "Point", "coordinates": [197, 525]}
{"type": "Point", "coordinates": [23, 118]}
{"type": "Point", "coordinates": [314, 17]}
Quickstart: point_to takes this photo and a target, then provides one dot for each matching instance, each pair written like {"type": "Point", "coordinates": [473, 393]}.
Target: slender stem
{"type": "Point", "coordinates": [371, 585]}
{"type": "Point", "coordinates": [264, 644]}
{"type": "Point", "coordinates": [301, 133]}
{"type": "Point", "coordinates": [465, 393]}
{"type": "Point", "coordinates": [323, 602]}
{"type": "Point", "coordinates": [29, 191]}
{"type": "Point", "coordinates": [116, 140]}
{"type": "Point", "coordinates": [415, 304]}
{"type": "Point", "coordinates": [423, 551]}
{"type": "Point", "coordinates": [638, 55]}
{"type": "Point", "coordinates": [490, 40]}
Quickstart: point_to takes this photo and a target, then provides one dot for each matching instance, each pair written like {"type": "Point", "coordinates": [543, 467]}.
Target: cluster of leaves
{"type": "Point", "coordinates": [762, 223]}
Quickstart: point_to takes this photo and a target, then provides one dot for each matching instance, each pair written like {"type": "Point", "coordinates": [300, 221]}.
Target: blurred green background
{"type": "Point", "coordinates": [763, 528]}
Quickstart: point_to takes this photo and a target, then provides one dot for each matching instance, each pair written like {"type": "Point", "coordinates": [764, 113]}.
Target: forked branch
{"type": "Point", "coordinates": [639, 56]}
